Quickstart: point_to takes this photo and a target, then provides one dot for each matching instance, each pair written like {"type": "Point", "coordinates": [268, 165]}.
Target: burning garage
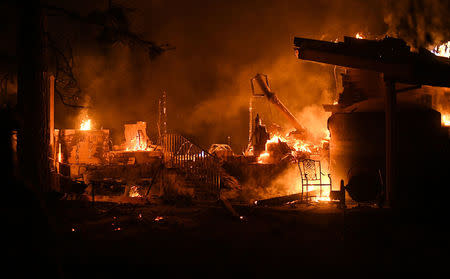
{"type": "Point", "coordinates": [225, 135]}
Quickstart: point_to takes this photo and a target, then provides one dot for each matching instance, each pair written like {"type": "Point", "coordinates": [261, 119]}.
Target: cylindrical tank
{"type": "Point", "coordinates": [358, 142]}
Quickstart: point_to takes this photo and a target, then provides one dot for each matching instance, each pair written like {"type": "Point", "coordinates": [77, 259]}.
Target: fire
{"type": "Point", "coordinates": [302, 146]}
{"type": "Point", "coordinates": [445, 120]}
{"type": "Point", "coordinates": [297, 145]}
{"type": "Point", "coordinates": [134, 193]}
{"type": "Point", "coordinates": [318, 195]}
{"type": "Point", "coordinates": [442, 50]}
{"type": "Point", "coordinates": [59, 154]}
{"type": "Point", "coordinates": [299, 149]}
{"type": "Point", "coordinates": [359, 36]}
{"type": "Point", "coordinates": [85, 125]}
{"type": "Point", "coordinates": [263, 157]}
{"type": "Point", "coordinates": [137, 144]}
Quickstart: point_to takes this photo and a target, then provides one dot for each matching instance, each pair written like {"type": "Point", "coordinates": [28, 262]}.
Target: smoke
{"type": "Point", "coordinates": [284, 181]}
{"type": "Point", "coordinates": [220, 45]}
{"type": "Point", "coordinates": [314, 119]}
{"type": "Point", "coordinates": [422, 23]}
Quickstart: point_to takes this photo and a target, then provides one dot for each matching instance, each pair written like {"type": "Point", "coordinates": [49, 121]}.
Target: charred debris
{"type": "Point", "coordinates": [383, 143]}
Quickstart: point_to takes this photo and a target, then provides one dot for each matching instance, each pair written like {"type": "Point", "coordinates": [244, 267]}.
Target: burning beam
{"type": "Point", "coordinates": [389, 56]}
{"type": "Point", "coordinates": [279, 200]}
{"type": "Point", "coordinates": [278, 104]}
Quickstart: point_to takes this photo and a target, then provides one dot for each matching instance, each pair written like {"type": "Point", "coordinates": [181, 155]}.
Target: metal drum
{"type": "Point", "coordinates": [358, 142]}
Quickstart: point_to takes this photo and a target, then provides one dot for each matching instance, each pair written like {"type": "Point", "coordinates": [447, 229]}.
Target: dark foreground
{"type": "Point", "coordinates": [72, 239]}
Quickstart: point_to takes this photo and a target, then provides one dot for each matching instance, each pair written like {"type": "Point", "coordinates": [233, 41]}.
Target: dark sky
{"type": "Point", "coordinates": [220, 45]}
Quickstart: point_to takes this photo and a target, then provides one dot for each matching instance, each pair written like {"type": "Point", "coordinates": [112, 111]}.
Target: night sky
{"type": "Point", "coordinates": [219, 46]}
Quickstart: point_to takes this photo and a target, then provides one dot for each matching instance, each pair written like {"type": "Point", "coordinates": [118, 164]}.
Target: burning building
{"type": "Point", "coordinates": [386, 140]}
{"type": "Point", "coordinates": [88, 156]}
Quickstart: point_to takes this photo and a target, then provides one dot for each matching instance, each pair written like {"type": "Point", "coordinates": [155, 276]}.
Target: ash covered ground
{"type": "Point", "coordinates": [73, 239]}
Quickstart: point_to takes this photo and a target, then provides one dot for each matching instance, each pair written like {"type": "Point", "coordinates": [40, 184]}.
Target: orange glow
{"type": "Point", "coordinates": [317, 194]}
{"type": "Point", "coordinates": [296, 145]}
{"type": "Point", "coordinates": [263, 157]}
{"type": "Point", "coordinates": [301, 148]}
{"type": "Point", "coordinates": [445, 120]}
{"type": "Point", "coordinates": [134, 193]}
{"type": "Point", "coordinates": [137, 144]}
{"type": "Point", "coordinates": [59, 154]}
{"type": "Point", "coordinates": [442, 50]}
{"type": "Point", "coordinates": [359, 36]}
{"type": "Point", "coordinates": [85, 125]}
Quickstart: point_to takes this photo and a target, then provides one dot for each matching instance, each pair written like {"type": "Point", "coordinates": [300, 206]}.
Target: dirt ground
{"type": "Point", "coordinates": [73, 239]}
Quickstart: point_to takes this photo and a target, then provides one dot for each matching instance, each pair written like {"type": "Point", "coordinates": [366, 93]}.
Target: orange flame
{"type": "Point", "coordinates": [85, 125]}
{"type": "Point", "coordinates": [134, 193]}
{"type": "Point", "coordinates": [59, 154]}
{"type": "Point", "coordinates": [317, 193]}
{"type": "Point", "coordinates": [442, 50]}
{"type": "Point", "coordinates": [445, 120]}
{"type": "Point", "coordinates": [359, 36]}
{"type": "Point", "coordinates": [137, 144]}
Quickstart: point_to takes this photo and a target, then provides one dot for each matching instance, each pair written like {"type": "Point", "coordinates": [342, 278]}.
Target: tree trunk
{"type": "Point", "coordinates": [33, 97]}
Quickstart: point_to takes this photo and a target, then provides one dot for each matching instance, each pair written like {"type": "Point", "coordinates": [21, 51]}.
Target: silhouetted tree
{"type": "Point", "coordinates": [33, 95]}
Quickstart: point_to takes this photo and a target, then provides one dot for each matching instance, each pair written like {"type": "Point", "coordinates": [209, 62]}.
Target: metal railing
{"type": "Point", "coordinates": [198, 165]}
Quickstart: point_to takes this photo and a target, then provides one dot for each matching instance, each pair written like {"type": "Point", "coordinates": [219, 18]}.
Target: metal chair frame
{"type": "Point", "coordinates": [311, 175]}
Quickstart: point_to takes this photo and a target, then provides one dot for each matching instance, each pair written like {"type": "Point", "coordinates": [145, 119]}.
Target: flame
{"type": "Point", "coordinates": [296, 145]}
{"type": "Point", "coordinates": [85, 125]}
{"type": "Point", "coordinates": [359, 36]}
{"type": "Point", "coordinates": [316, 194]}
{"type": "Point", "coordinates": [134, 193]}
{"type": "Point", "coordinates": [299, 146]}
{"type": "Point", "coordinates": [445, 119]}
{"type": "Point", "coordinates": [328, 135]}
{"type": "Point", "coordinates": [138, 144]}
{"type": "Point", "coordinates": [302, 146]}
{"type": "Point", "coordinates": [59, 154]}
{"type": "Point", "coordinates": [442, 50]}
{"type": "Point", "coordinates": [263, 157]}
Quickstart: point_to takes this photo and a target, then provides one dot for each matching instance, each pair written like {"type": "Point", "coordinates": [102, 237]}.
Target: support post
{"type": "Point", "coordinates": [250, 120]}
{"type": "Point", "coordinates": [391, 130]}
{"type": "Point", "coordinates": [51, 119]}
{"type": "Point", "coordinates": [342, 195]}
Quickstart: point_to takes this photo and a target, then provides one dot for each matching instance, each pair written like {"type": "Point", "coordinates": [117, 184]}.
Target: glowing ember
{"type": "Point", "coordinates": [158, 218]}
{"type": "Point", "coordinates": [442, 50]}
{"type": "Point", "coordinates": [85, 125]}
{"type": "Point", "coordinates": [445, 120]}
{"type": "Point", "coordinates": [134, 193]}
{"type": "Point", "coordinates": [317, 194]}
{"type": "Point", "coordinates": [115, 224]}
{"type": "Point", "coordinates": [359, 36]}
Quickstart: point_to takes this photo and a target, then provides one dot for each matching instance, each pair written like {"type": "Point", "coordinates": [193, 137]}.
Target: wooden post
{"type": "Point", "coordinates": [342, 195]}
{"type": "Point", "coordinates": [32, 97]}
{"type": "Point", "coordinates": [391, 130]}
{"type": "Point", "coordinates": [51, 124]}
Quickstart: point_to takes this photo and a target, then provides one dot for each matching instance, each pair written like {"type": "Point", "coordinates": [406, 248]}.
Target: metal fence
{"type": "Point", "coordinates": [198, 165]}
